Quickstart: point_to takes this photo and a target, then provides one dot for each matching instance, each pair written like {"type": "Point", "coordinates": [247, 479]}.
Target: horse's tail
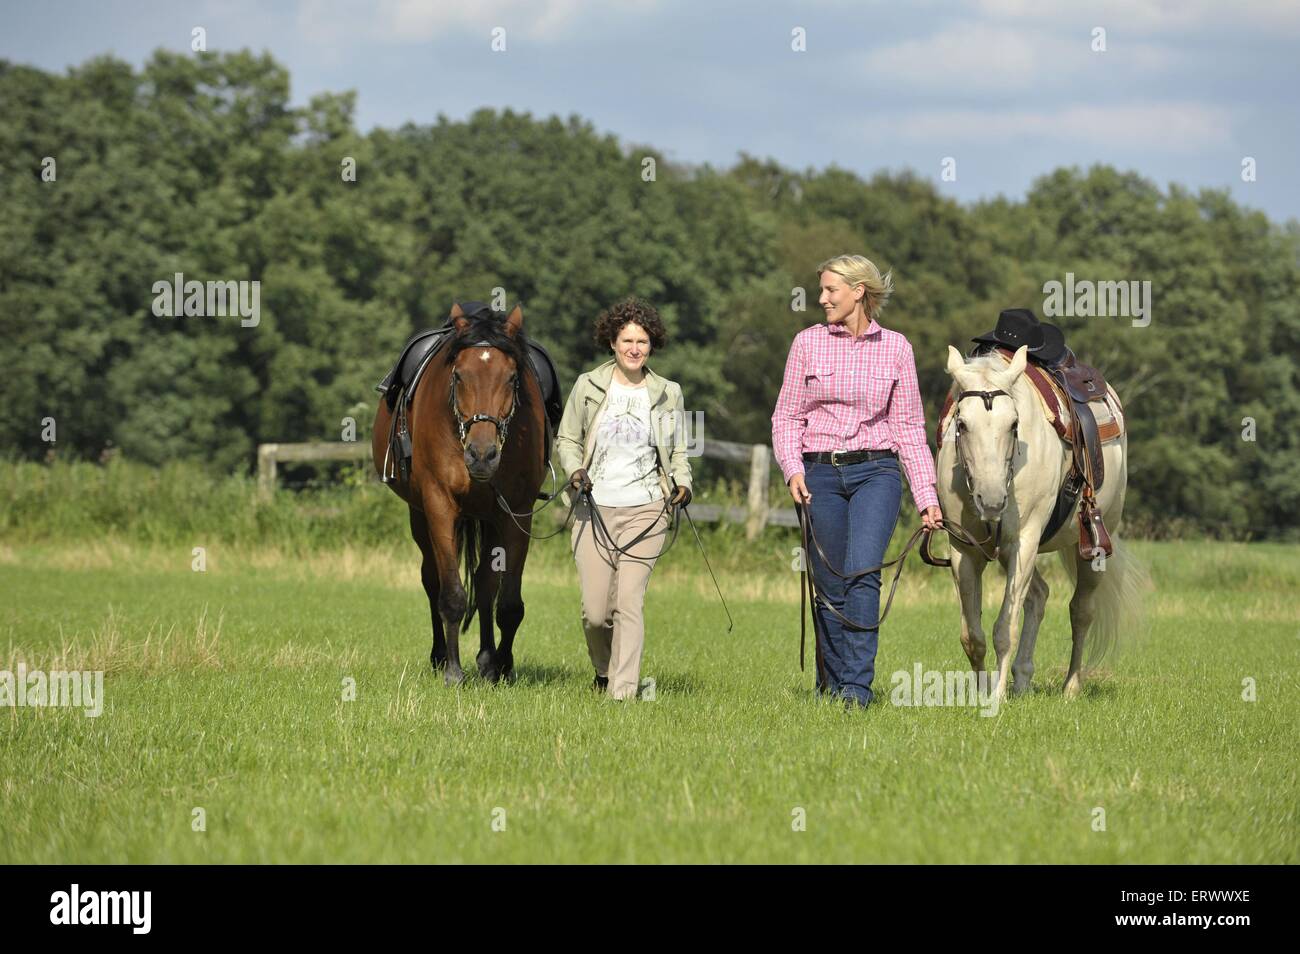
{"type": "Point", "coordinates": [1119, 605]}
{"type": "Point", "coordinates": [470, 531]}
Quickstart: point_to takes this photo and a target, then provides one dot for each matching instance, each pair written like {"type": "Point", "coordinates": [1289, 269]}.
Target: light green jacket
{"type": "Point", "coordinates": [575, 442]}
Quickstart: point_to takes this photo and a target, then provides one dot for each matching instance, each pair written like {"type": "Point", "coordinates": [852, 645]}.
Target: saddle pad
{"type": "Point", "coordinates": [1110, 421]}
{"type": "Point", "coordinates": [1106, 410]}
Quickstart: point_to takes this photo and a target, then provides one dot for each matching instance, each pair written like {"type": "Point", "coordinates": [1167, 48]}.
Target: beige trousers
{"type": "Point", "coordinates": [614, 585]}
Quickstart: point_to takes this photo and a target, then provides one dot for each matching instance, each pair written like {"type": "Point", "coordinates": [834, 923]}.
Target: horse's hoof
{"type": "Point", "coordinates": [438, 661]}
{"type": "Point", "coordinates": [453, 677]}
{"type": "Point", "coordinates": [506, 664]}
{"type": "Point", "coordinates": [487, 667]}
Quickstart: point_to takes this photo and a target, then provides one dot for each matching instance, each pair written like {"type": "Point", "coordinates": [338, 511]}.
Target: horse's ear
{"type": "Point", "coordinates": [955, 361]}
{"type": "Point", "coordinates": [515, 320]}
{"type": "Point", "coordinates": [1018, 363]}
{"type": "Point", "coordinates": [458, 318]}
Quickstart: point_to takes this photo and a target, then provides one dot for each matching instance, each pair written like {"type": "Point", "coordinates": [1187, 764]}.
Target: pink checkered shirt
{"type": "Point", "coordinates": [842, 394]}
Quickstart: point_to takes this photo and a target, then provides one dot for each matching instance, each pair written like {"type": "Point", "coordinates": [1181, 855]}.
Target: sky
{"type": "Point", "coordinates": [1008, 90]}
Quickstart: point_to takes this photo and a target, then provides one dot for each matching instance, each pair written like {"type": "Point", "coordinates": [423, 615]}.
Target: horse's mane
{"type": "Point", "coordinates": [490, 330]}
{"type": "Point", "coordinates": [988, 361]}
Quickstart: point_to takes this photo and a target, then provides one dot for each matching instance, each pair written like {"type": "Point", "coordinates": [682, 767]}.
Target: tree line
{"type": "Point", "coordinates": [113, 180]}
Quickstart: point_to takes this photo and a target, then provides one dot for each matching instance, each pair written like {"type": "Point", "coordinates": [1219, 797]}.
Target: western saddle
{"type": "Point", "coordinates": [1085, 413]}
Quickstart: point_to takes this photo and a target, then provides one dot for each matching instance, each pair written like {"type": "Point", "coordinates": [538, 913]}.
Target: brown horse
{"type": "Point", "coordinates": [478, 437]}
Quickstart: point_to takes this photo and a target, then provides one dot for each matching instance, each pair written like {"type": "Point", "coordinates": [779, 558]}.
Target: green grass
{"type": "Point", "coordinates": [224, 691]}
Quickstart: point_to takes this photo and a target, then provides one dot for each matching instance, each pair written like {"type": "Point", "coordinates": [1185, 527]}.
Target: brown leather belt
{"type": "Point", "coordinates": [840, 458]}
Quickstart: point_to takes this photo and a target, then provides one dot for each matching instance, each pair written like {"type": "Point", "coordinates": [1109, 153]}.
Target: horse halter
{"type": "Point", "coordinates": [502, 424]}
{"type": "Point", "coordinates": [987, 397]}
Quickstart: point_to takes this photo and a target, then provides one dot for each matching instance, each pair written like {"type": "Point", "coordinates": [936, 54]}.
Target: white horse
{"type": "Point", "coordinates": [1001, 461]}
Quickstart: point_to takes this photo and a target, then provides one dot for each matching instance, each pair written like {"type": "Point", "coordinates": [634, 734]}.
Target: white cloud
{"type": "Point", "coordinates": [975, 57]}
{"type": "Point", "coordinates": [1153, 15]}
{"type": "Point", "coordinates": [963, 56]}
{"type": "Point", "coordinates": [419, 21]}
{"type": "Point", "coordinates": [1170, 127]}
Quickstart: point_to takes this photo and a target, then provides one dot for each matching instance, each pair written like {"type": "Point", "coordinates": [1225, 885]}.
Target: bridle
{"type": "Point", "coordinates": [987, 397]}
{"type": "Point", "coordinates": [502, 424]}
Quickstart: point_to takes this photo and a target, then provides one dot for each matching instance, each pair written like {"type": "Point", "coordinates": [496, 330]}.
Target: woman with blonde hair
{"type": "Point", "coordinates": [622, 445]}
{"type": "Point", "coordinates": [849, 410]}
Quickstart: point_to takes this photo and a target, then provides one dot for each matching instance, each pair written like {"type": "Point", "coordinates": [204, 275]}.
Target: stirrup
{"type": "Point", "coordinates": [1092, 531]}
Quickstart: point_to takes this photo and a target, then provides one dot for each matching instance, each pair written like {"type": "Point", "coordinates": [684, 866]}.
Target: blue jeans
{"type": "Point", "coordinates": [853, 511]}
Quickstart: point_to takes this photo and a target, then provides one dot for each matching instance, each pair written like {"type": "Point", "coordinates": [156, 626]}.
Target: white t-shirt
{"type": "Point", "coordinates": [624, 470]}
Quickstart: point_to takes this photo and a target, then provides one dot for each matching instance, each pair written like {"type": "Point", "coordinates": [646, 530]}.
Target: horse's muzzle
{"type": "Point", "coordinates": [481, 462]}
{"type": "Point", "coordinates": [989, 513]}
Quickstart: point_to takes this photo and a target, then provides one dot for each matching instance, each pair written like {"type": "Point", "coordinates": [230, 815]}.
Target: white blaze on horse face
{"type": "Point", "coordinates": [486, 355]}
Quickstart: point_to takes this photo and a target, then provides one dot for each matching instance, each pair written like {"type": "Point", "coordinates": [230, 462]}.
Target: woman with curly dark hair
{"type": "Point", "coordinates": [622, 445]}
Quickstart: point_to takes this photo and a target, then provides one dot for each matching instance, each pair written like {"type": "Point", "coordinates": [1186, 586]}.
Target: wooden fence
{"type": "Point", "coordinates": [755, 515]}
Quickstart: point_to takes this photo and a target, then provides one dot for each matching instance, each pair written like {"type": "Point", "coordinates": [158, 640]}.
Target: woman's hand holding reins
{"type": "Point", "coordinates": [932, 518]}
{"type": "Point", "coordinates": [579, 480]}
{"type": "Point", "coordinates": [799, 490]}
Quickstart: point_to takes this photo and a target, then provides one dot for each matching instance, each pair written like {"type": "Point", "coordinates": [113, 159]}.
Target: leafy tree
{"type": "Point", "coordinates": [199, 165]}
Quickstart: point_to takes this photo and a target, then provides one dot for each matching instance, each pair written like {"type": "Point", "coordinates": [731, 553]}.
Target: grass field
{"type": "Point", "coordinates": [224, 691]}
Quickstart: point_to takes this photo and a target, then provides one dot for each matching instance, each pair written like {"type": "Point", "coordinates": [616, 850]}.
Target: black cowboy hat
{"type": "Point", "coordinates": [1053, 348]}
{"type": "Point", "coordinates": [1015, 327]}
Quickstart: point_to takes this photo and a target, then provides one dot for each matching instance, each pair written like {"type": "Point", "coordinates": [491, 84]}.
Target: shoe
{"type": "Point", "coordinates": [600, 683]}
{"type": "Point", "coordinates": [853, 703]}
{"type": "Point", "coordinates": [626, 697]}
{"type": "Point", "coordinates": [646, 690]}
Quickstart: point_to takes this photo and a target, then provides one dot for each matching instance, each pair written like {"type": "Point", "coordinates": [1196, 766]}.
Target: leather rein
{"type": "Point", "coordinates": [808, 591]}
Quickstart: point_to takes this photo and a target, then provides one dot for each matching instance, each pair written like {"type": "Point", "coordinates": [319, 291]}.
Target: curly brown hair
{"type": "Point", "coordinates": [613, 318]}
